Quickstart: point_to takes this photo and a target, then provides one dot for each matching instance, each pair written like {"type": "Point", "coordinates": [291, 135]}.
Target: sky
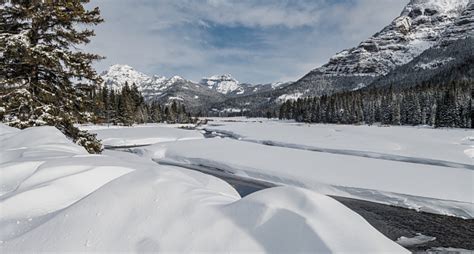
{"type": "Point", "coordinates": [258, 41]}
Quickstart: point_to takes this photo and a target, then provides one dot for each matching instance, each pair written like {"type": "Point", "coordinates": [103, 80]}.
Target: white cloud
{"type": "Point", "coordinates": [169, 37]}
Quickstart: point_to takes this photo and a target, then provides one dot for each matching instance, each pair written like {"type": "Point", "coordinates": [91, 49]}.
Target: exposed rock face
{"type": "Point", "coordinates": [462, 28]}
{"type": "Point", "coordinates": [421, 25]}
{"type": "Point", "coordinates": [418, 28]}
{"type": "Point", "coordinates": [224, 84]}
{"type": "Point", "coordinates": [440, 64]}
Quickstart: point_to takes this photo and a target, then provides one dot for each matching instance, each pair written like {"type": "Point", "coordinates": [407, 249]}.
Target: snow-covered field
{"type": "Point", "coordinates": [141, 134]}
{"type": "Point", "coordinates": [421, 168]}
{"type": "Point", "coordinates": [55, 197]}
{"type": "Point", "coordinates": [451, 145]}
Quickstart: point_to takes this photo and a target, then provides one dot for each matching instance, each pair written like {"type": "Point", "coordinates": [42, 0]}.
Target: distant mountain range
{"type": "Point", "coordinates": [198, 96]}
{"type": "Point", "coordinates": [425, 41]}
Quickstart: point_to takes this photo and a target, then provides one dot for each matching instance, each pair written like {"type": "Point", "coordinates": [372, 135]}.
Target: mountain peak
{"type": "Point", "coordinates": [119, 74]}
{"type": "Point", "coordinates": [418, 28]}
{"type": "Point", "coordinates": [121, 67]}
{"type": "Point", "coordinates": [224, 84]}
{"type": "Point", "coordinates": [175, 79]}
{"type": "Point", "coordinates": [222, 77]}
{"type": "Point", "coordinates": [437, 5]}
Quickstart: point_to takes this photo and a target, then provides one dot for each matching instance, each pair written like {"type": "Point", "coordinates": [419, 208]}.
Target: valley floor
{"type": "Point", "coordinates": [144, 194]}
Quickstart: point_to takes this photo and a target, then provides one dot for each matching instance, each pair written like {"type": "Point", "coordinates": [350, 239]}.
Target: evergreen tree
{"type": "Point", "coordinates": [438, 104]}
{"type": "Point", "coordinates": [156, 113]}
{"type": "Point", "coordinates": [126, 106]}
{"type": "Point", "coordinates": [45, 77]}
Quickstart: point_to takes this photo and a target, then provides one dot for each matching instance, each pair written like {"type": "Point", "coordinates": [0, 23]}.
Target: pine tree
{"type": "Point", "coordinates": [156, 113]}
{"type": "Point", "coordinates": [126, 107]}
{"type": "Point", "coordinates": [40, 67]}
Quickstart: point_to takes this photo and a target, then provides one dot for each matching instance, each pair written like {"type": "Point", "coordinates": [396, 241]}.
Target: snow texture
{"type": "Point", "coordinates": [449, 145]}
{"type": "Point", "coordinates": [378, 164]}
{"type": "Point", "coordinates": [57, 198]}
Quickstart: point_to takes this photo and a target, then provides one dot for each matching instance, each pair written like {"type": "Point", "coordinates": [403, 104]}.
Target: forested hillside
{"type": "Point", "coordinates": [127, 106]}
{"type": "Point", "coordinates": [439, 105]}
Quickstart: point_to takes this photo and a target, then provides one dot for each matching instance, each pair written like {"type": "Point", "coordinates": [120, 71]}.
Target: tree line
{"type": "Point", "coordinates": [127, 106]}
{"type": "Point", "coordinates": [438, 105]}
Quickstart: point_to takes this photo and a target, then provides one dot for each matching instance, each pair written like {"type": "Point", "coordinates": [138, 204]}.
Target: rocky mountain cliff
{"type": "Point", "coordinates": [419, 27]}
{"type": "Point", "coordinates": [224, 84]}
{"type": "Point", "coordinates": [462, 27]}
{"type": "Point", "coordinates": [422, 25]}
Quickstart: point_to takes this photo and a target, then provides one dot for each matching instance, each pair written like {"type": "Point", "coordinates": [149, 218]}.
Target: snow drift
{"type": "Point", "coordinates": [435, 189]}
{"type": "Point", "coordinates": [56, 197]}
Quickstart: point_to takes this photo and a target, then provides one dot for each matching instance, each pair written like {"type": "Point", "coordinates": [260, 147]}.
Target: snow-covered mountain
{"type": "Point", "coordinates": [150, 86]}
{"type": "Point", "coordinates": [227, 85]}
{"type": "Point", "coordinates": [195, 96]}
{"type": "Point", "coordinates": [460, 29]}
{"type": "Point", "coordinates": [160, 88]}
{"type": "Point", "coordinates": [442, 63]}
{"type": "Point", "coordinates": [224, 84]}
{"type": "Point", "coordinates": [117, 75]}
{"type": "Point", "coordinates": [422, 25]}
{"type": "Point", "coordinates": [419, 27]}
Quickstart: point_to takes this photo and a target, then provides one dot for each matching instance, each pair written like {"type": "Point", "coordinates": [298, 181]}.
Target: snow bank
{"type": "Point", "coordinates": [171, 216]}
{"type": "Point", "coordinates": [416, 240]}
{"type": "Point", "coordinates": [43, 172]}
{"type": "Point", "coordinates": [56, 198]}
{"type": "Point", "coordinates": [428, 188]}
{"type": "Point", "coordinates": [142, 135]}
{"type": "Point", "coordinates": [92, 127]}
{"type": "Point", "coordinates": [421, 143]}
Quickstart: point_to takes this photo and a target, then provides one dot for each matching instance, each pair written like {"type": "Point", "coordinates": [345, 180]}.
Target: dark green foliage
{"type": "Point", "coordinates": [128, 107]}
{"type": "Point", "coordinates": [83, 138]}
{"type": "Point", "coordinates": [439, 105]}
{"type": "Point", "coordinates": [44, 79]}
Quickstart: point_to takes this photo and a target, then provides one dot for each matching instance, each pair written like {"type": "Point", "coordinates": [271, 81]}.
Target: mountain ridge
{"type": "Point", "coordinates": [422, 25]}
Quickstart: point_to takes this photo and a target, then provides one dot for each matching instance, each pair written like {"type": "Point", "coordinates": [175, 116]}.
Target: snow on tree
{"type": "Point", "coordinates": [44, 78]}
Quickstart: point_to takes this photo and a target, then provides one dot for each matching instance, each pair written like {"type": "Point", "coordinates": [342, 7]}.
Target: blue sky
{"type": "Point", "coordinates": [256, 41]}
